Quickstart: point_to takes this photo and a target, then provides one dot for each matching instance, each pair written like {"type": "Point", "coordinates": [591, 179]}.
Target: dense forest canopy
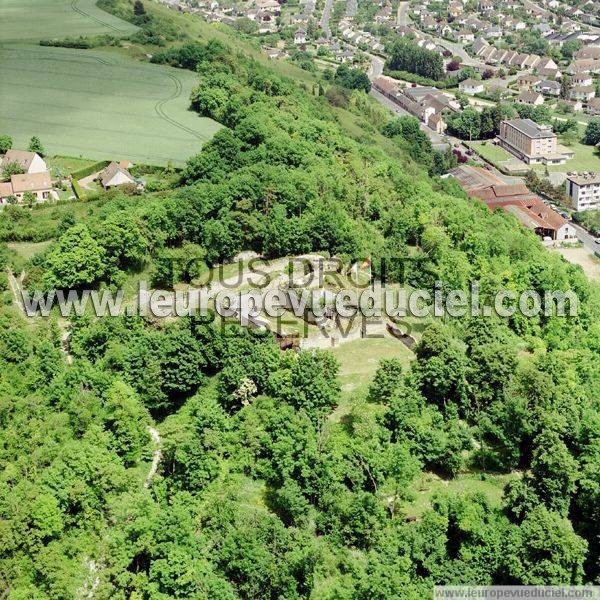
{"type": "Point", "coordinates": [261, 492]}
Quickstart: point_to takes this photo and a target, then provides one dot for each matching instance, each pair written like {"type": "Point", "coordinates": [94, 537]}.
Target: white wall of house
{"type": "Point", "coordinates": [119, 179]}
{"type": "Point", "coordinates": [38, 165]}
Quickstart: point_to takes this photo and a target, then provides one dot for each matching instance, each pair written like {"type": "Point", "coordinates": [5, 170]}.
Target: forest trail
{"type": "Point", "coordinates": [156, 456]}
{"type": "Point", "coordinates": [16, 287]}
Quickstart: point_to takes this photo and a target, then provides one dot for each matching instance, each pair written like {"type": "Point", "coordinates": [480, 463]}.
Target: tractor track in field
{"type": "Point", "coordinates": [159, 109]}
{"type": "Point", "coordinates": [95, 19]}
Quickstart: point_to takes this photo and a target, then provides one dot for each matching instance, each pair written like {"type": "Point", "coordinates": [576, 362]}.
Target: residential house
{"type": "Point", "coordinates": [38, 184]}
{"type": "Point", "coordinates": [544, 29]}
{"type": "Point", "coordinates": [582, 79]}
{"type": "Point", "coordinates": [30, 162]}
{"type": "Point", "coordinates": [553, 74]}
{"type": "Point", "coordinates": [582, 92]}
{"type": "Point", "coordinates": [300, 36]}
{"type": "Point", "coordinates": [345, 57]}
{"type": "Point", "coordinates": [584, 191]}
{"type": "Point", "coordinates": [548, 88]}
{"type": "Point", "coordinates": [584, 65]}
{"type": "Point", "coordinates": [471, 86]}
{"type": "Point", "coordinates": [115, 175]}
{"type": "Point", "coordinates": [546, 62]}
{"type": "Point", "coordinates": [593, 107]}
{"type": "Point", "coordinates": [575, 105]}
{"type": "Point", "coordinates": [493, 32]}
{"type": "Point", "coordinates": [527, 81]}
{"type": "Point", "coordinates": [530, 98]}
{"type": "Point", "coordinates": [465, 36]}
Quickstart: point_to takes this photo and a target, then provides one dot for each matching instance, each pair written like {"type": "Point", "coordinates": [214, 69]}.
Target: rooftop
{"type": "Point", "coordinates": [585, 178]}
{"type": "Point", "coordinates": [531, 128]}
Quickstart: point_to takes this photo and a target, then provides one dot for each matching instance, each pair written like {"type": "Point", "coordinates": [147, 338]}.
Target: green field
{"type": "Point", "coordinates": [30, 20]}
{"type": "Point", "coordinates": [99, 105]}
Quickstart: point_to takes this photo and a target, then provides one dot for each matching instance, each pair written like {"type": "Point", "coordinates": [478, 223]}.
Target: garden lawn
{"type": "Point", "coordinates": [99, 105]}
{"type": "Point", "coordinates": [32, 20]}
{"type": "Point", "coordinates": [490, 152]}
{"type": "Point", "coordinates": [586, 159]}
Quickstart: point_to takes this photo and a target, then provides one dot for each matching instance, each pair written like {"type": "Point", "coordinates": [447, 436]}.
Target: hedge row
{"type": "Point", "coordinates": [406, 76]}
{"type": "Point", "coordinates": [86, 171]}
{"type": "Point", "coordinates": [78, 190]}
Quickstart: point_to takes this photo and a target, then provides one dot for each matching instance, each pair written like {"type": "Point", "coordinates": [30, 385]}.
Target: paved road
{"type": "Point", "coordinates": [585, 238]}
{"type": "Point", "coordinates": [324, 23]}
{"type": "Point", "coordinates": [458, 50]}
{"type": "Point", "coordinates": [402, 16]}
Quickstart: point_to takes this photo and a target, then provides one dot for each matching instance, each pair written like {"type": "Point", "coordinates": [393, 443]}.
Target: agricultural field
{"type": "Point", "coordinates": [99, 105]}
{"type": "Point", "coordinates": [32, 20]}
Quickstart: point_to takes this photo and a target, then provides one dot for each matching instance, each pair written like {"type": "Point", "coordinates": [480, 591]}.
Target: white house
{"type": "Point", "coordinates": [300, 37]}
{"type": "Point", "coordinates": [471, 86]}
{"type": "Point", "coordinates": [548, 87]}
{"type": "Point", "coordinates": [30, 162]}
{"type": "Point", "coordinates": [530, 98]}
{"type": "Point", "coordinates": [115, 175]}
{"type": "Point", "coordinates": [582, 92]}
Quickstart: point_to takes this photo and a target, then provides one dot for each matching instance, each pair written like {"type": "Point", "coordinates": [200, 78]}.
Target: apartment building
{"type": "Point", "coordinates": [584, 191]}
{"type": "Point", "coordinates": [531, 142]}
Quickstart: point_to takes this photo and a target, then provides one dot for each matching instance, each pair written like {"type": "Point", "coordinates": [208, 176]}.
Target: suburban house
{"type": "Point", "coordinates": [300, 37]}
{"type": "Point", "coordinates": [114, 175]}
{"type": "Point", "coordinates": [593, 107]}
{"type": "Point", "coordinates": [582, 79]}
{"type": "Point", "coordinates": [532, 143]}
{"type": "Point", "coordinates": [582, 92]}
{"type": "Point", "coordinates": [528, 81]}
{"type": "Point", "coordinates": [548, 87]}
{"type": "Point", "coordinates": [38, 184]}
{"type": "Point", "coordinates": [584, 191]}
{"type": "Point", "coordinates": [471, 86]}
{"type": "Point", "coordinates": [465, 36]}
{"type": "Point", "coordinates": [30, 162]}
{"type": "Point", "coordinates": [530, 98]}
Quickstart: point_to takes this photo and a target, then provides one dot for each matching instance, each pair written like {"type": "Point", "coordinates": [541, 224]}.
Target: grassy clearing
{"type": "Point", "coordinates": [360, 358]}
{"type": "Point", "coordinates": [427, 485]}
{"type": "Point", "coordinates": [32, 20]}
{"type": "Point", "coordinates": [99, 105]}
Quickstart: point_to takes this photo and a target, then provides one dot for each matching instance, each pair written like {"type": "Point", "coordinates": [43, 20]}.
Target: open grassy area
{"type": "Point", "coordinates": [491, 152]}
{"type": "Point", "coordinates": [360, 358]}
{"type": "Point", "coordinates": [99, 105]}
{"type": "Point", "coordinates": [427, 485]}
{"type": "Point", "coordinates": [586, 159]}
{"type": "Point", "coordinates": [31, 20]}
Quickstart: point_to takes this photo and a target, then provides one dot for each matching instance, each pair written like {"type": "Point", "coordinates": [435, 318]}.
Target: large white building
{"type": "Point", "coordinates": [584, 191]}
